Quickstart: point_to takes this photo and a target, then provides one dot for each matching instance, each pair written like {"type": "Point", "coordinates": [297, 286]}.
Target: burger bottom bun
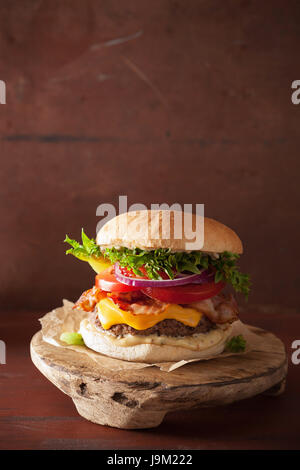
{"type": "Point", "coordinates": [207, 345]}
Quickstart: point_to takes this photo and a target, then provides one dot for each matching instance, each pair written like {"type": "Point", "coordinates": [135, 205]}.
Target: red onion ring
{"type": "Point", "coordinates": [181, 280]}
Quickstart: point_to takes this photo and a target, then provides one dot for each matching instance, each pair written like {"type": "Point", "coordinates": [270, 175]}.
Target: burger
{"type": "Point", "coordinates": [154, 300]}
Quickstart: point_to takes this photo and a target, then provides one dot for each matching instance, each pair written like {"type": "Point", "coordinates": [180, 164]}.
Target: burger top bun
{"type": "Point", "coordinates": [153, 229]}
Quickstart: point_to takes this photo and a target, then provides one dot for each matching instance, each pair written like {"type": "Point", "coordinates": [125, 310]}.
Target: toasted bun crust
{"type": "Point", "coordinates": [148, 353]}
{"type": "Point", "coordinates": [144, 229]}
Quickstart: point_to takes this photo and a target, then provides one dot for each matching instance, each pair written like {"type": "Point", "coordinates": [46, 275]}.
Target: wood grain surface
{"type": "Point", "coordinates": [140, 398]}
{"type": "Point", "coordinates": [34, 414]}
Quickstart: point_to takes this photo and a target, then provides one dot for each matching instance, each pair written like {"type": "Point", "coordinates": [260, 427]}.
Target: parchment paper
{"type": "Point", "coordinates": [66, 319]}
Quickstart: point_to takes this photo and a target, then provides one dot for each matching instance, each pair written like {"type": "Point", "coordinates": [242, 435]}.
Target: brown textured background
{"type": "Point", "coordinates": [164, 101]}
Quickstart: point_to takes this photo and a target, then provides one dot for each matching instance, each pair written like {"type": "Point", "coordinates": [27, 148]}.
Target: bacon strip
{"type": "Point", "coordinates": [137, 303]}
{"type": "Point", "coordinates": [219, 309]}
{"type": "Point", "coordinates": [89, 299]}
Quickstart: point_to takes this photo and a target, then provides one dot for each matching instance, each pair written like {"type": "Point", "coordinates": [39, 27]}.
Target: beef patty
{"type": "Point", "coordinates": [166, 327]}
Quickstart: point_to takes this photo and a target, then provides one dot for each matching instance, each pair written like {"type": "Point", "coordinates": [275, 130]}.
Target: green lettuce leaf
{"type": "Point", "coordinates": [164, 260]}
{"type": "Point", "coordinates": [236, 344]}
{"type": "Point", "coordinates": [84, 251]}
{"type": "Point", "coordinates": [72, 338]}
{"type": "Point", "coordinates": [156, 261]}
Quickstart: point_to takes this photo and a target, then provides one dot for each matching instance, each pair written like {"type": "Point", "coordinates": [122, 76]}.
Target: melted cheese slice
{"type": "Point", "coordinates": [110, 314]}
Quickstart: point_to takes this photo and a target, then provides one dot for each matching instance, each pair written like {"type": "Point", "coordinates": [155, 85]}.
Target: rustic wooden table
{"type": "Point", "coordinates": [36, 415]}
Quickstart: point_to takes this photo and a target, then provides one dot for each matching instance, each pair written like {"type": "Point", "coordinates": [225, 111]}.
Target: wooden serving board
{"type": "Point", "coordinates": [140, 398]}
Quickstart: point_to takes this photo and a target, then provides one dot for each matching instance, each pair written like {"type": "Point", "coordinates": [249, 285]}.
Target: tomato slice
{"type": "Point", "coordinates": [184, 294]}
{"type": "Point", "coordinates": [106, 280]}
